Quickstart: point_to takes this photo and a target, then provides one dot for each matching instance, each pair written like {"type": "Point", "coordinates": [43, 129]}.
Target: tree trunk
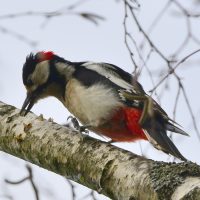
{"type": "Point", "coordinates": [109, 170]}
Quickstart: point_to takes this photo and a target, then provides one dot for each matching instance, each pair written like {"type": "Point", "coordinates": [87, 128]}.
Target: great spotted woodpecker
{"type": "Point", "coordinates": [103, 97]}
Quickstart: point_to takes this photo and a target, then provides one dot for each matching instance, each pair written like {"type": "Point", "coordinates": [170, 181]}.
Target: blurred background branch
{"type": "Point", "coordinates": [150, 38]}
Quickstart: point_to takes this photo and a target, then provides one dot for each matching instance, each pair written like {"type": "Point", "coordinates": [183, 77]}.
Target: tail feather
{"type": "Point", "coordinates": [173, 128]}
{"type": "Point", "coordinates": [157, 136]}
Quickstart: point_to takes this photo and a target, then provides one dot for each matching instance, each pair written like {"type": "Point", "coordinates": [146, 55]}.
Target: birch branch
{"type": "Point", "coordinates": [114, 172]}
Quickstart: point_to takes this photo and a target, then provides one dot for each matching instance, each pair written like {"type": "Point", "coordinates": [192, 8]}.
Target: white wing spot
{"type": "Point", "coordinates": [111, 75]}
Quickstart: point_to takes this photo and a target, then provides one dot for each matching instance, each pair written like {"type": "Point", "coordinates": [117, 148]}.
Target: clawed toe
{"type": "Point", "coordinates": [77, 126]}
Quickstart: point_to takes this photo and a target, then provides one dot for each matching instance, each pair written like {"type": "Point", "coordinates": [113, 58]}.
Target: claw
{"type": "Point", "coordinates": [74, 122]}
{"type": "Point", "coordinates": [81, 129]}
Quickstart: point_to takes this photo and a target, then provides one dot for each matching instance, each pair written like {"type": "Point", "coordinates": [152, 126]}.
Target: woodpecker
{"type": "Point", "coordinates": [103, 97]}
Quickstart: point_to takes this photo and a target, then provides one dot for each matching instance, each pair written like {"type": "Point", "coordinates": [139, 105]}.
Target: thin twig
{"type": "Point", "coordinates": [145, 34]}
{"type": "Point", "coordinates": [191, 112]}
{"type": "Point", "coordinates": [18, 36]}
{"type": "Point", "coordinates": [30, 178]}
{"type": "Point", "coordinates": [125, 37]}
{"type": "Point", "coordinates": [72, 186]}
{"type": "Point", "coordinates": [174, 68]}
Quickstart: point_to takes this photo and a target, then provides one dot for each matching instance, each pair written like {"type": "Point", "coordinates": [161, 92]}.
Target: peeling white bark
{"type": "Point", "coordinates": [109, 170]}
{"type": "Point", "coordinates": [189, 184]}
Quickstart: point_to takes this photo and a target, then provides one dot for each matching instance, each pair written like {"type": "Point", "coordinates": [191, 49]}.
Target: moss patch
{"type": "Point", "coordinates": [167, 176]}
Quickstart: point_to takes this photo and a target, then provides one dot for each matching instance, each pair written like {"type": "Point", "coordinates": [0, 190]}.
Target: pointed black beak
{"type": "Point", "coordinates": [28, 103]}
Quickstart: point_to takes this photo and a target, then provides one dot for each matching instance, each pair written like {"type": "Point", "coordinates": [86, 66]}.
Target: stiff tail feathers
{"type": "Point", "coordinates": [173, 128]}
{"type": "Point", "coordinates": [159, 139]}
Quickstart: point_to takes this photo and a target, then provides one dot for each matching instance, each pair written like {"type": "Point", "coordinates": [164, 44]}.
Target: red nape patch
{"type": "Point", "coordinates": [45, 55]}
{"type": "Point", "coordinates": [132, 116]}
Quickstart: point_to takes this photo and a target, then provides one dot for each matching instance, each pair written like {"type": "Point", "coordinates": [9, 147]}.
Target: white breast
{"type": "Point", "coordinates": [90, 105]}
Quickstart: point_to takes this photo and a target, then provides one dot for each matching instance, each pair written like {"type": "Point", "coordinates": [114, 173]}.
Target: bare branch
{"type": "Point", "coordinates": [92, 17]}
{"type": "Point", "coordinates": [98, 165]}
{"type": "Point", "coordinates": [125, 37]}
{"type": "Point", "coordinates": [145, 34]}
{"type": "Point", "coordinates": [18, 36]}
{"type": "Point", "coordinates": [156, 20]}
{"type": "Point", "coordinates": [29, 178]}
{"type": "Point", "coordinates": [191, 112]}
{"type": "Point", "coordinates": [6, 196]}
{"type": "Point", "coordinates": [72, 189]}
{"type": "Point", "coordinates": [172, 70]}
{"type": "Point", "coordinates": [95, 18]}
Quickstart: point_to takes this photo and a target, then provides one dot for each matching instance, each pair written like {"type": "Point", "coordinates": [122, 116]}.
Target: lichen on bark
{"type": "Point", "coordinates": [112, 171]}
{"type": "Point", "coordinates": [166, 177]}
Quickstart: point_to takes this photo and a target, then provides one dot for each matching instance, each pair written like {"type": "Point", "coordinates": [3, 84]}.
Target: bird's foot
{"type": "Point", "coordinates": [77, 126]}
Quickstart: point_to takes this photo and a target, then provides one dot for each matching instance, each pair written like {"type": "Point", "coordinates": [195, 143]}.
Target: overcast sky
{"type": "Point", "coordinates": [77, 39]}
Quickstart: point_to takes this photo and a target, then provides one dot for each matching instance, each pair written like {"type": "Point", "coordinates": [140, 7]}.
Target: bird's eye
{"type": "Point", "coordinates": [29, 82]}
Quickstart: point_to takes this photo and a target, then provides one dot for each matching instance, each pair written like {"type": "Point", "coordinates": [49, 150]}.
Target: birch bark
{"type": "Point", "coordinates": [114, 172]}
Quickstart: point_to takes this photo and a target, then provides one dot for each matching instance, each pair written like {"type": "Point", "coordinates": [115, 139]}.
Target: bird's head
{"type": "Point", "coordinates": [38, 74]}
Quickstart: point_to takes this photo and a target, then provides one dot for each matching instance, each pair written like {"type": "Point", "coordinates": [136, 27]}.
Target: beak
{"type": "Point", "coordinates": [28, 103]}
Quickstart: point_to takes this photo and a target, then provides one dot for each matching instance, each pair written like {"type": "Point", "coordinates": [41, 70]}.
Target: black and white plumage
{"type": "Point", "coordinates": [102, 96]}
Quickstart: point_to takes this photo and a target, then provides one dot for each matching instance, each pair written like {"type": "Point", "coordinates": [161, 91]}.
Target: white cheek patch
{"type": "Point", "coordinates": [41, 73]}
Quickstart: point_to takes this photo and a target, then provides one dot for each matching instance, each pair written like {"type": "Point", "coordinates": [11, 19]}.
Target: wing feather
{"type": "Point", "coordinates": [116, 75]}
